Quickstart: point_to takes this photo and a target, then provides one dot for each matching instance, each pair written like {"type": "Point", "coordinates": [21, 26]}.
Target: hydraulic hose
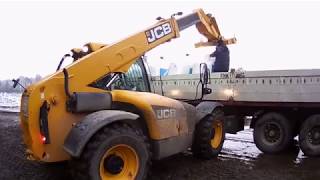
{"type": "Point", "coordinates": [66, 83]}
{"type": "Point", "coordinates": [61, 61]}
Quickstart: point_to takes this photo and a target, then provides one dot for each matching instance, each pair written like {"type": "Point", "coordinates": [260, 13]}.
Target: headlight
{"type": "Point", "coordinates": [175, 92]}
{"type": "Point", "coordinates": [24, 105]}
{"type": "Point", "coordinates": [228, 92]}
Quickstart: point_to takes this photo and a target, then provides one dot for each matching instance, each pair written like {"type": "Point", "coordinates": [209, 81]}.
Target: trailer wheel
{"type": "Point", "coordinates": [272, 133]}
{"type": "Point", "coordinates": [115, 152]}
{"type": "Point", "coordinates": [209, 136]}
{"type": "Point", "coordinates": [309, 136]}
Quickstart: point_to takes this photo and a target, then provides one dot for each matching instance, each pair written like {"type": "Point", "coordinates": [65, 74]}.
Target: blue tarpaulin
{"type": "Point", "coordinates": [164, 72]}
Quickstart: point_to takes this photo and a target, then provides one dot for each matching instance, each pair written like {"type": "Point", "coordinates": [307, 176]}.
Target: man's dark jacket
{"type": "Point", "coordinates": [221, 63]}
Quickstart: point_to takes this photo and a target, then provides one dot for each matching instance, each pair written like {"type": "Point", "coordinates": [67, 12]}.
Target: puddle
{"type": "Point", "coordinates": [241, 146]}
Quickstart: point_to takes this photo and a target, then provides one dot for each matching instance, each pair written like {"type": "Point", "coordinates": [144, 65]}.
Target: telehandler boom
{"type": "Point", "coordinates": [90, 113]}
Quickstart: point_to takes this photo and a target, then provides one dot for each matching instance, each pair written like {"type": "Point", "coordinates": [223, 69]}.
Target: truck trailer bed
{"type": "Point", "coordinates": [292, 87]}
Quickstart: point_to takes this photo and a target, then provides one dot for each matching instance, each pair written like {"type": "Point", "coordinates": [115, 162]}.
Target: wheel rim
{"type": "Point", "coordinates": [314, 135]}
{"type": "Point", "coordinates": [272, 132]}
{"type": "Point", "coordinates": [216, 136]}
{"type": "Point", "coordinates": [119, 162]}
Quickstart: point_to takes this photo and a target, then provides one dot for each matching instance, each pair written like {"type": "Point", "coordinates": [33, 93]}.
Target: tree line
{"type": "Point", "coordinates": [7, 85]}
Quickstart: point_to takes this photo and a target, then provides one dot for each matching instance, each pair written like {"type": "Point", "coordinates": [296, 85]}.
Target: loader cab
{"type": "Point", "coordinates": [135, 79]}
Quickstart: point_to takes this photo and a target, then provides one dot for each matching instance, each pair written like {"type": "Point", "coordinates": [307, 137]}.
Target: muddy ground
{"type": "Point", "coordinates": [240, 159]}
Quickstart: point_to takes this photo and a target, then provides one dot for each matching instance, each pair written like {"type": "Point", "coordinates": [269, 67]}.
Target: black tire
{"type": "Point", "coordinates": [88, 166]}
{"type": "Point", "coordinates": [273, 133]}
{"type": "Point", "coordinates": [309, 136]}
{"type": "Point", "coordinates": [205, 133]}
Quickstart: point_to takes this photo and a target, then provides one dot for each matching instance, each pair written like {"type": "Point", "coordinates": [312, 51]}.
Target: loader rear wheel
{"type": "Point", "coordinates": [273, 133]}
{"type": "Point", "coordinates": [209, 136]}
{"type": "Point", "coordinates": [309, 137]}
{"type": "Point", "coordinates": [115, 152]}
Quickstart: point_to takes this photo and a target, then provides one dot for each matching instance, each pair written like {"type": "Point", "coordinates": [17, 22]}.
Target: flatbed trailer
{"type": "Point", "coordinates": [283, 104]}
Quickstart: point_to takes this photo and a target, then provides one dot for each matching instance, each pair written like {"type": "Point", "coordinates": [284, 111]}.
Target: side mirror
{"type": "Point", "coordinates": [204, 79]}
{"type": "Point", "coordinates": [204, 73]}
{"type": "Point", "coordinates": [206, 91]}
{"type": "Point", "coordinates": [15, 82]}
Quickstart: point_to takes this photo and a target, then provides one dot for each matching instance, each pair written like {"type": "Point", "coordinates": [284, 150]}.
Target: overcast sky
{"type": "Point", "coordinates": [271, 35]}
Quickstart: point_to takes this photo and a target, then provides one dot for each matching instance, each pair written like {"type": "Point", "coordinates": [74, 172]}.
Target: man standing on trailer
{"type": "Point", "coordinates": [222, 58]}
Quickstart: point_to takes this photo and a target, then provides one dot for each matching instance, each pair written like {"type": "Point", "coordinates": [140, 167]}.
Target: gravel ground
{"type": "Point", "coordinates": [239, 159]}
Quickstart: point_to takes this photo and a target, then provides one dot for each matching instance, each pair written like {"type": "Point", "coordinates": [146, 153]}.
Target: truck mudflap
{"type": "Point", "coordinates": [81, 132]}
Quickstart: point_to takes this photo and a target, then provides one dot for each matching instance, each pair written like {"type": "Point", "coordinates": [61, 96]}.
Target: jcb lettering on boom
{"type": "Point", "coordinates": [158, 32]}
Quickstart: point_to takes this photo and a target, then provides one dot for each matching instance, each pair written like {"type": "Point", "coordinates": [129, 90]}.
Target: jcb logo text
{"type": "Point", "coordinates": [158, 32]}
{"type": "Point", "coordinates": [166, 113]}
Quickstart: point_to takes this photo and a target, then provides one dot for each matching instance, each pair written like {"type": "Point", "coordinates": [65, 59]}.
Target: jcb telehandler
{"type": "Point", "coordinates": [99, 112]}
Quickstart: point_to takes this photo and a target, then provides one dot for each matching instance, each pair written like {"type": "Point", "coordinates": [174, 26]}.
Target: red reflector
{"type": "Point", "coordinates": [43, 139]}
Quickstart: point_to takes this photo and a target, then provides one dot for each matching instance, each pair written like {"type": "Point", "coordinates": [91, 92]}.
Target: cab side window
{"type": "Point", "coordinates": [134, 79]}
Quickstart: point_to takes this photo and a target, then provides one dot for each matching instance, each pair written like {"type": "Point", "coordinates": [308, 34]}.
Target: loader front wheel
{"type": "Point", "coordinates": [209, 136]}
{"type": "Point", "coordinates": [114, 153]}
